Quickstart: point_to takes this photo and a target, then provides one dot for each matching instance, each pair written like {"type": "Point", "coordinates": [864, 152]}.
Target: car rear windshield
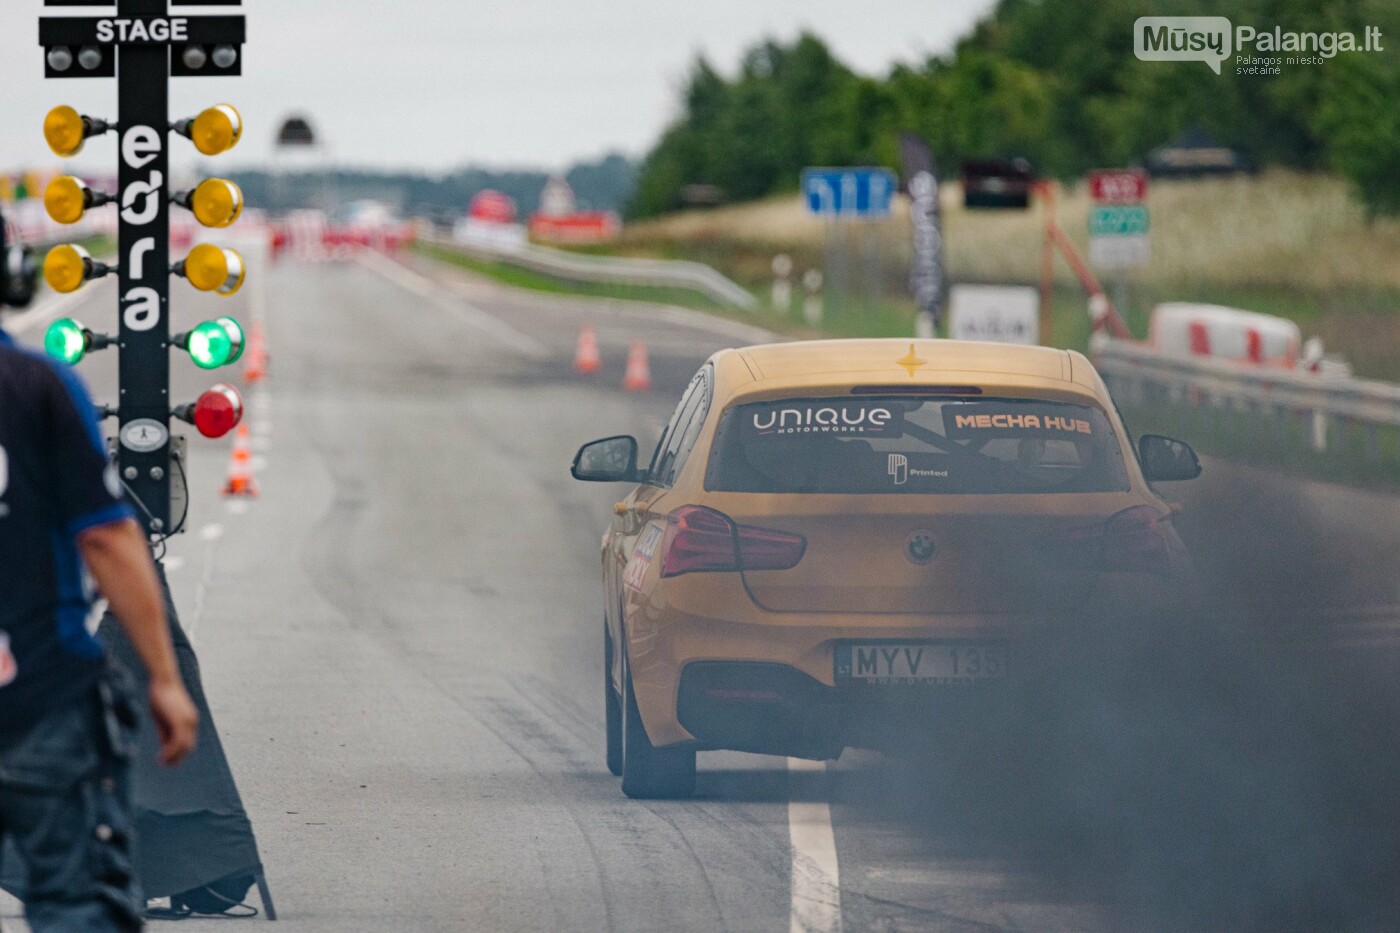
{"type": "Point", "coordinates": [914, 445]}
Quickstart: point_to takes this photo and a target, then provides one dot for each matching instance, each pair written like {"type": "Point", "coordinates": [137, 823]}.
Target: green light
{"type": "Point", "coordinates": [210, 345]}
{"type": "Point", "coordinates": [235, 333]}
{"type": "Point", "coordinates": [66, 341]}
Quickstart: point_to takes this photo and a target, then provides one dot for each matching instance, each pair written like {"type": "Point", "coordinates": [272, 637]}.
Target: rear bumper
{"type": "Point", "coordinates": [775, 709]}
{"type": "Point", "coordinates": [751, 680]}
{"type": "Point", "coordinates": [752, 686]}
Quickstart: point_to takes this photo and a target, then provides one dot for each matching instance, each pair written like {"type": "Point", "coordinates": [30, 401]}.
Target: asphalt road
{"type": "Point", "coordinates": [401, 642]}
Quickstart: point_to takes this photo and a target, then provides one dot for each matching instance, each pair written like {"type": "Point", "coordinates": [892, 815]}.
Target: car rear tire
{"type": "Point", "coordinates": [648, 772]}
{"type": "Point", "coordinates": [612, 709]}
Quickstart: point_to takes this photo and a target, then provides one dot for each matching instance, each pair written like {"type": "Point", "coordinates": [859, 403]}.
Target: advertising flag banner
{"type": "Point", "coordinates": [920, 182]}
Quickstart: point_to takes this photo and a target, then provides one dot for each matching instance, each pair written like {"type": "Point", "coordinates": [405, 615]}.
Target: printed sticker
{"type": "Point", "coordinates": [650, 539]}
{"type": "Point", "coordinates": [636, 572]}
{"type": "Point", "coordinates": [901, 470]}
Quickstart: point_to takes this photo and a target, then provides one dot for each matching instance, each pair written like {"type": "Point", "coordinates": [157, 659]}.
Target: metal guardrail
{"type": "Point", "coordinates": [577, 267]}
{"type": "Point", "coordinates": [1140, 376]}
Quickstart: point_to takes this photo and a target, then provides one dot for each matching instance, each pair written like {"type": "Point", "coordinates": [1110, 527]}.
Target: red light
{"type": "Point", "coordinates": [700, 539]}
{"type": "Point", "coordinates": [218, 410]}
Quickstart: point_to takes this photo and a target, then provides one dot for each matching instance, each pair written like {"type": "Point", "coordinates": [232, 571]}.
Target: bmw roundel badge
{"type": "Point", "coordinates": [919, 547]}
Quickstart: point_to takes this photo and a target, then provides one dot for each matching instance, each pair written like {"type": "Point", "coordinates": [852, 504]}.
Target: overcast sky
{"type": "Point", "coordinates": [437, 84]}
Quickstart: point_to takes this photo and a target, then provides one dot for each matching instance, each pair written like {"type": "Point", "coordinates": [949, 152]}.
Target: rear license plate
{"type": "Point", "coordinates": [943, 662]}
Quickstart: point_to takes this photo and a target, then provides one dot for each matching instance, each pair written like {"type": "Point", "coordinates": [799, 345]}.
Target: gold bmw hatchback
{"type": "Point", "coordinates": [831, 534]}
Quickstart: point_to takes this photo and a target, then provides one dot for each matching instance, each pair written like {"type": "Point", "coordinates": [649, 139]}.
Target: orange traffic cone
{"type": "Point", "coordinates": [256, 366]}
{"type": "Point", "coordinates": [240, 466]}
{"type": "Point", "coordinates": [587, 359]}
{"type": "Point", "coordinates": [638, 376]}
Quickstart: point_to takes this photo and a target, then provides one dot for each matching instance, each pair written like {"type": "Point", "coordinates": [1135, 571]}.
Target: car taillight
{"type": "Point", "coordinates": [701, 539]}
{"type": "Point", "coordinates": [698, 539]}
{"type": "Point", "coordinates": [1135, 540]}
{"type": "Point", "coordinates": [766, 549]}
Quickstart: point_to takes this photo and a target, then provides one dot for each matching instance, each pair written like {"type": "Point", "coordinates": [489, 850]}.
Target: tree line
{"type": "Point", "coordinates": [602, 184]}
{"type": "Point", "coordinates": [1054, 81]}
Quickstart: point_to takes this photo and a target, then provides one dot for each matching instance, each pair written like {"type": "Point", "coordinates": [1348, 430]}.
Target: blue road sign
{"type": "Point", "coordinates": [848, 192]}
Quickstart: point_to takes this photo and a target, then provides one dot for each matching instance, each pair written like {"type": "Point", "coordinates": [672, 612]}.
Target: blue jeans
{"type": "Point", "coordinates": [65, 803]}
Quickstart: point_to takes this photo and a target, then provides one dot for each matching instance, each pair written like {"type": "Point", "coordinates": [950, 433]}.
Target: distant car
{"type": "Point", "coordinates": [368, 225]}
{"type": "Point", "coordinates": [828, 530]}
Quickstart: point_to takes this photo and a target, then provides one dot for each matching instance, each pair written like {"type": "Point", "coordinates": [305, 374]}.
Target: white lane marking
{"type": "Point", "coordinates": [238, 506]}
{"type": "Point", "coordinates": [468, 314]}
{"type": "Point", "coordinates": [816, 880]}
{"type": "Point", "coordinates": [173, 563]}
{"type": "Point", "coordinates": [211, 534]}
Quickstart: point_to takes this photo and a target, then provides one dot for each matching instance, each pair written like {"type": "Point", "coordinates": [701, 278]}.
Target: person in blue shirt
{"type": "Point", "coordinates": [65, 718]}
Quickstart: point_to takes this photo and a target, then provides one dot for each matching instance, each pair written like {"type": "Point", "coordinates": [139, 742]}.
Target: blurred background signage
{"type": "Point", "coordinates": [926, 276]}
{"type": "Point", "coordinates": [998, 313]}
{"type": "Point", "coordinates": [1118, 219]}
{"type": "Point", "coordinates": [848, 192]}
{"type": "Point", "coordinates": [1003, 184]}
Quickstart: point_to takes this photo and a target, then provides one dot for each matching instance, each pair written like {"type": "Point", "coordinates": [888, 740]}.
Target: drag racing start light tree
{"type": "Point", "coordinates": [143, 45]}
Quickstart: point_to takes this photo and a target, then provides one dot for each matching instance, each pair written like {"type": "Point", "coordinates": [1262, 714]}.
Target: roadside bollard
{"type": "Point", "coordinates": [812, 305]}
{"type": "Point", "coordinates": [924, 326]}
{"type": "Point", "coordinates": [782, 283]}
{"type": "Point", "coordinates": [1319, 431]}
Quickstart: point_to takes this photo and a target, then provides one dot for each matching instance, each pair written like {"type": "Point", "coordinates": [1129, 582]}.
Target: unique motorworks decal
{"type": "Point", "coordinates": [803, 417]}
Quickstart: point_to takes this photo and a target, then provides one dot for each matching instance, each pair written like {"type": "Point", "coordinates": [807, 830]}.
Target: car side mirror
{"type": "Point", "coordinates": [1164, 459]}
{"type": "Point", "coordinates": [610, 460]}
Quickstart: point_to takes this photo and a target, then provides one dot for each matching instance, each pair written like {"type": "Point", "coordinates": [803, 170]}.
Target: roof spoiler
{"type": "Point", "coordinates": [915, 390]}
